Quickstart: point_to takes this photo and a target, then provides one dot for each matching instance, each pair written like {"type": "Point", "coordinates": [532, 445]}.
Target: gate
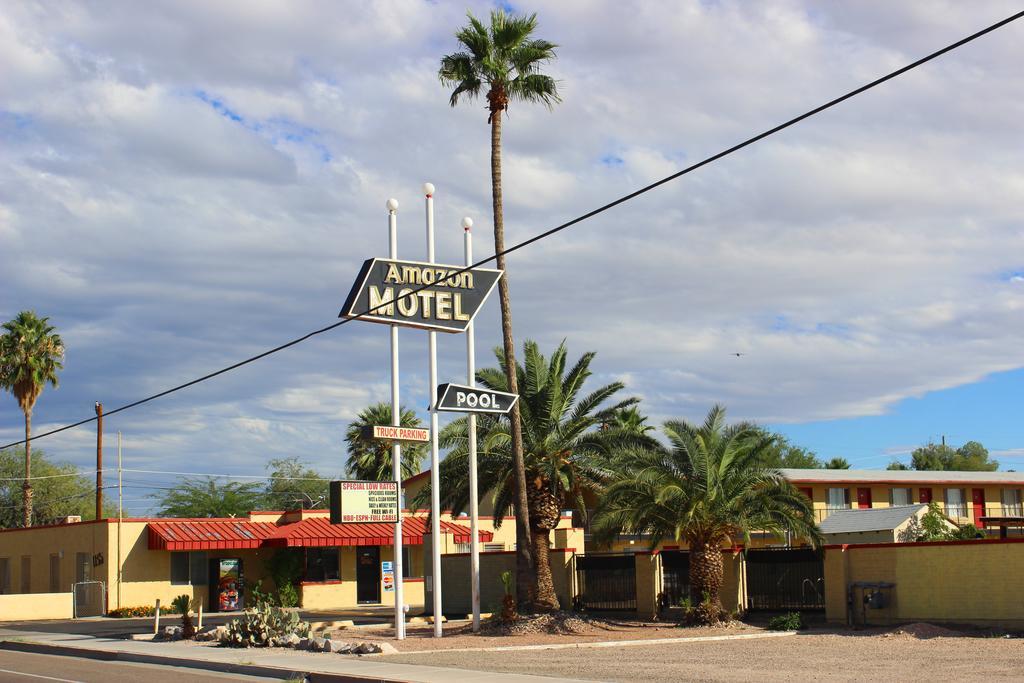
{"type": "Point", "coordinates": [606, 582]}
{"type": "Point", "coordinates": [675, 576]}
{"type": "Point", "coordinates": [90, 599]}
{"type": "Point", "coordinates": [785, 578]}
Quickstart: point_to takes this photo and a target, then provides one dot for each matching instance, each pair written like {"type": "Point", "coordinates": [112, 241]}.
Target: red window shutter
{"type": "Point", "coordinates": [925, 495]}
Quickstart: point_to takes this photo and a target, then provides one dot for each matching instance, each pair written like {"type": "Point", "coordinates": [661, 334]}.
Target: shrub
{"type": "Point", "coordinates": [791, 621]}
{"type": "Point", "coordinates": [508, 602]}
{"type": "Point", "coordinates": [264, 625]}
{"type": "Point", "coordinates": [285, 567]}
{"type": "Point", "coordinates": [141, 611]}
{"type": "Point", "coordinates": [183, 604]}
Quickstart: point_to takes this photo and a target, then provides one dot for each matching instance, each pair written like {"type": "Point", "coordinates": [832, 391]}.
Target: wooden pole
{"type": "Point", "coordinates": [99, 460]}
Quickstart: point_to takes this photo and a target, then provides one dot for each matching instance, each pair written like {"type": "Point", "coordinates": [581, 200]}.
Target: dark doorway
{"type": "Point", "coordinates": [785, 579]}
{"type": "Point", "coordinates": [368, 575]}
{"type": "Point", "coordinates": [606, 582]}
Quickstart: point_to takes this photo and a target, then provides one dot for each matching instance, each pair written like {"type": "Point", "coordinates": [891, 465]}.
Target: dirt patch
{"type": "Point", "coordinates": [558, 628]}
{"type": "Point", "coordinates": [922, 631]}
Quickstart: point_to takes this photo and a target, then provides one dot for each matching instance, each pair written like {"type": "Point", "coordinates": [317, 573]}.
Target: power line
{"type": "Point", "coordinates": [225, 476]}
{"type": "Point", "coordinates": [50, 476]}
{"type": "Point", "coordinates": [543, 235]}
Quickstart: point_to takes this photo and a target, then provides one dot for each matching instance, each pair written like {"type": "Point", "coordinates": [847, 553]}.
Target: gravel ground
{"type": "Point", "coordinates": [814, 656]}
{"type": "Point", "coordinates": [574, 629]}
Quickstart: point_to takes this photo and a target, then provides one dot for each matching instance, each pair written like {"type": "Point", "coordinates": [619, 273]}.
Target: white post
{"type": "Point", "coordinates": [396, 448]}
{"type": "Point", "coordinates": [120, 516]}
{"type": "Point", "coordinates": [474, 531]}
{"type": "Point", "coordinates": [435, 483]}
{"type": "Point", "coordinates": [156, 618]}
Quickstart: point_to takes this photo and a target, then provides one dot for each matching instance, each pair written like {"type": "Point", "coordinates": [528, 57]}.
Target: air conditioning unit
{"type": "Point", "coordinates": [71, 519]}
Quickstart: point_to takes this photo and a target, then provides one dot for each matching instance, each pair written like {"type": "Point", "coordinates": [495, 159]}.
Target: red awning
{"type": "Point", "coordinates": [224, 534]}
{"type": "Point", "coordinates": [318, 532]}
{"type": "Point", "coordinates": [208, 534]}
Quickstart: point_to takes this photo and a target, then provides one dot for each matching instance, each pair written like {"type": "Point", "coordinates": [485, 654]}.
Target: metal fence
{"type": "Point", "coordinates": [90, 598]}
{"type": "Point", "coordinates": [606, 582]}
{"type": "Point", "coordinates": [675, 576]}
{"type": "Point", "coordinates": [785, 578]}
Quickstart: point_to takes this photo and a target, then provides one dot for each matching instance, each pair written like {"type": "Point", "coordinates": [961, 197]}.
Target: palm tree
{"type": "Point", "coordinates": [838, 464]}
{"type": "Point", "coordinates": [370, 458]}
{"type": "Point", "coordinates": [30, 356]}
{"type": "Point", "coordinates": [506, 60]}
{"type": "Point", "coordinates": [566, 452]}
{"type": "Point", "coordinates": [708, 488]}
{"type": "Point", "coordinates": [629, 419]}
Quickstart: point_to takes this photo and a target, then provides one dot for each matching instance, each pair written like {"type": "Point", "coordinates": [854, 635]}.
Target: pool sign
{"type": "Point", "coordinates": [459, 398]}
{"type": "Point", "coordinates": [364, 502]}
{"type": "Point", "coordinates": [444, 300]}
{"type": "Point", "coordinates": [389, 433]}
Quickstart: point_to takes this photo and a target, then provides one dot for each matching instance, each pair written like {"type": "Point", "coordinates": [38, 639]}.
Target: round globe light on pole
{"type": "Point", "coordinates": [467, 223]}
{"type": "Point", "coordinates": [428, 189]}
{"type": "Point", "coordinates": [392, 205]}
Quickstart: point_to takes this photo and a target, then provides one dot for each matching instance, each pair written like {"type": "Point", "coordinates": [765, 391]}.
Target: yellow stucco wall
{"type": "Point", "coordinates": [64, 541]}
{"type": "Point", "coordinates": [967, 582]}
{"type": "Point", "coordinates": [33, 606]}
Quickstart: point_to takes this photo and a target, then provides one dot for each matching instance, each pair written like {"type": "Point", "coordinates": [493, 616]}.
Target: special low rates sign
{"type": "Point", "coordinates": [362, 502]}
{"type": "Point", "coordinates": [447, 302]}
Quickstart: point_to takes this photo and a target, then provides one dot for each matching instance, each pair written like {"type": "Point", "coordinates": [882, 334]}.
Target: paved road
{"type": "Point", "coordinates": [23, 667]}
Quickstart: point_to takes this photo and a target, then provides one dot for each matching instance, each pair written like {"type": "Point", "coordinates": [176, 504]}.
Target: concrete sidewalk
{"type": "Point", "coordinates": [272, 662]}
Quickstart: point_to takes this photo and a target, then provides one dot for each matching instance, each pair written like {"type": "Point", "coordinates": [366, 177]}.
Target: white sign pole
{"type": "Point", "coordinates": [396, 447]}
{"type": "Point", "coordinates": [435, 483]}
{"type": "Point", "coordinates": [474, 547]}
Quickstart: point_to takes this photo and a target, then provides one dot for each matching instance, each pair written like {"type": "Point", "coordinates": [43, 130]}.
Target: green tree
{"type": "Point", "coordinates": [628, 419]}
{"type": "Point", "coordinates": [31, 354]}
{"type": "Point", "coordinates": [206, 497]}
{"type": "Point", "coordinates": [779, 452]}
{"type": "Point", "coordinates": [567, 453]}
{"type": "Point", "coordinates": [935, 526]}
{"type": "Point", "coordinates": [896, 465]}
{"type": "Point", "coordinates": [504, 59]}
{"type": "Point", "coordinates": [837, 464]}
{"type": "Point", "coordinates": [370, 458]}
{"type": "Point", "coordinates": [59, 491]}
{"type": "Point", "coordinates": [971, 457]}
{"type": "Point", "coordinates": [293, 485]}
{"type": "Point", "coordinates": [709, 487]}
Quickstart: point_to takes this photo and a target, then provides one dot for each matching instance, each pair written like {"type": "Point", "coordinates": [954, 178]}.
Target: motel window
{"type": "Point", "coordinates": [5, 575]}
{"type": "Point", "coordinates": [900, 496]}
{"type": "Point", "coordinates": [955, 506]}
{"type": "Point", "coordinates": [321, 564]}
{"type": "Point", "coordinates": [838, 499]}
{"type": "Point", "coordinates": [463, 547]}
{"type": "Point", "coordinates": [1012, 503]}
{"type": "Point", "coordinates": [407, 571]}
{"type": "Point", "coordinates": [55, 573]}
{"type": "Point", "coordinates": [494, 547]}
{"type": "Point", "coordinates": [26, 574]}
{"type": "Point", "coordinates": [189, 568]}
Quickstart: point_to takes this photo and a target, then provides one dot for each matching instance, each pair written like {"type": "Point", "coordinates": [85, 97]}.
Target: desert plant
{"type": "Point", "coordinates": [183, 605]}
{"type": "Point", "coordinates": [791, 621]}
{"type": "Point", "coordinates": [285, 567]}
{"type": "Point", "coordinates": [264, 626]}
{"type": "Point", "coordinates": [508, 602]}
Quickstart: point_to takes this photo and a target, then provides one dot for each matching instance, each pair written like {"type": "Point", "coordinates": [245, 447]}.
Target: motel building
{"type": "Point", "coordinates": [71, 569]}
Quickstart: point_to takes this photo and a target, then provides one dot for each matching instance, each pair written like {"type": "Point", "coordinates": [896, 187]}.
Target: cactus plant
{"type": "Point", "coordinates": [183, 604]}
{"type": "Point", "coordinates": [264, 625]}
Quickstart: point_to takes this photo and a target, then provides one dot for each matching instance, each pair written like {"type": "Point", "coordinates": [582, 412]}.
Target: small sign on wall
{"type": "Point", "coordinates": [387, 573]}
{"type": "Point", "coordinates": [363, 502]}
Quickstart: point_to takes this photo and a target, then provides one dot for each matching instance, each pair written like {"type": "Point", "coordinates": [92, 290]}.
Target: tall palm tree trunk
{"type": "Point", "coordinates": [26, 490]}
{"type": "Point", "coordinates": [544, 515]}
{"type": "Point", "coordinates": [525, 561]}
{"type": "Point", "coordinates": [706, 577]}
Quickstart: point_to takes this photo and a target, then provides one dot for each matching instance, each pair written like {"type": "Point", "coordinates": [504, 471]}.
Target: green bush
{"type": "Point", "coordinates": [264, 625]}
{"type": "Point", "coordinates": [141, 611]}
{"type": "Point", "coordinates": [791, 621]}
{"type": "Point", "coordinates": [285, 568]}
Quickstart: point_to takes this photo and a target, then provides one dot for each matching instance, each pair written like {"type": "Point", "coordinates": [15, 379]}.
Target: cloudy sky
{"type": "Point", "coordinates": [185, 184]}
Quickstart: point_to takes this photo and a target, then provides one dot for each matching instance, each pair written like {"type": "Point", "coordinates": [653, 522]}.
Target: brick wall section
{"type": "Point", "coordinates": [971, 582]}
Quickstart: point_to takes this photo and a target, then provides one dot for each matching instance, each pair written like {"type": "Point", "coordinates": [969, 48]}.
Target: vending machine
{"type": "Point", "coordinates": [227, 584]}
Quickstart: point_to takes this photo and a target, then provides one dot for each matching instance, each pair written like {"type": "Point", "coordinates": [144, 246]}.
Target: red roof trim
{"type": "Point", "coordinates": [904, 483]}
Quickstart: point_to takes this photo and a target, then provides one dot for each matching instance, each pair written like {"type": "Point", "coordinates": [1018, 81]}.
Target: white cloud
{"type": "Point", "coordinates": [183, 185]}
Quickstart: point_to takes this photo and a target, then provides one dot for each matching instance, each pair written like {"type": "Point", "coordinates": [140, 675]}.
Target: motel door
{"type": "Point", "coordinates": [863, 497]}
{"type": "Point", "coordinates": [368, 574]}
{"type": "Point", "coordinates": [978, 497]}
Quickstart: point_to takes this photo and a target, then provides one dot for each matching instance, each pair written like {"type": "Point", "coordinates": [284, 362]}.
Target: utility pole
{"type": "Point", "coordinates": [396, 446]}
{"type": "Point", "coordinates": [474, 532]}
{"type": "Point", "coordinates": [435, 483]}
{"type": "Point", "coordinates": [99, 460]}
